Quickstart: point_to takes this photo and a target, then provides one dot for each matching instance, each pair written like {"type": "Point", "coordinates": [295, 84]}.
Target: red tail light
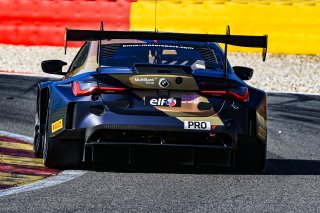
{"type": "Point", "coordinates": [240, 94]}
{"type": "Point", "coordinates": [88, 88]}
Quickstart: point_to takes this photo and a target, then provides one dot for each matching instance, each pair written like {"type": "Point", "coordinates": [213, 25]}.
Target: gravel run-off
{"type": "Point", "coordinates": [288, 73]}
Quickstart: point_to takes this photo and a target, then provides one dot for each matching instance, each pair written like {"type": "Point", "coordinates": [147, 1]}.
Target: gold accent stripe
{"type": "Point", "coordinates": [17, 179]}
{"type": "Point", "coordinates": [14, 145]}
{"type": "Point", "coordinates": [8, 159]}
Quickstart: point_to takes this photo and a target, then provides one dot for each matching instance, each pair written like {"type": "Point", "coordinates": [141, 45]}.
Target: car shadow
{"type": "Point", "coordinates": [273, 167]}
{"type": "Point", "coordinates": [292, 167]}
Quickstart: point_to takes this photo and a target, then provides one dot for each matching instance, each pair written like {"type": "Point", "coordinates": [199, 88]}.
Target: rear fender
{"type": "Point", "coordinates": [43, 85]}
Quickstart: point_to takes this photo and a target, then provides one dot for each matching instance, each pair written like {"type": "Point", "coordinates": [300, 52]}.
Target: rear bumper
{"type": "Point", "coordinates": [151, 144]}
{"type": "Point", "coordinates": [89, 129]}
{"type": "Point", "coordinates": [79, 119]}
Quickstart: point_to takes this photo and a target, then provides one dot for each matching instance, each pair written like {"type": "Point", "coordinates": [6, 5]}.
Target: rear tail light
{"type": "Point", "coordinates": [240, 94]}
{"type": "Point", "coordinates": [88, 88]}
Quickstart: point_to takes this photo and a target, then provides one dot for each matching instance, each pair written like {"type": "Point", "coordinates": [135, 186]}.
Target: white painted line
{"type": "Point", "coordinates": [16, 136]}
{"type": "Point", "coordinates": [47, 182]}
{"type": "Point", "coordinates": [62, 177]}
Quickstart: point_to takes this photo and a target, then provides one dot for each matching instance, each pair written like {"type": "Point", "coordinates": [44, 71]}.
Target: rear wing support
{"type": "Point", "coordinates": [225, 65]}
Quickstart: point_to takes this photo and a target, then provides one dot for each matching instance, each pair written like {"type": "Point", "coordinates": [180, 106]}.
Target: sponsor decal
{"type": "Point", "coordinates": [163, 82]}
{"type": "Point", "coordinates": [197, 125]}
{"type": "Point", "coordinates": [171, 102]}
{"type": "Point", "coordinates": [145, 80]}
{"type": "Point", "coordinates": [166, 102]}
{"type": "Point", "coordinates": [56, 126]}
{"type": "Point", "coordinates": [190, 99]}
{"type": "Point", "coordinates": [158, 45]}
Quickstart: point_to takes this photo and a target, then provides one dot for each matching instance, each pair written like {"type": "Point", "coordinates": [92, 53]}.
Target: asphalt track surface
{"type": "Point", "coordinates": [289, 183]}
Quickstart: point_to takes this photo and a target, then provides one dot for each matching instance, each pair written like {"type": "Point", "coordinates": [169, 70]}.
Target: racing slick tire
{"type": "Point", "coordinates": [251, 155]}
{"type": "Point", "coordinates": [38, 136]}
{"type": "Point", "coordinates": [59, 154]}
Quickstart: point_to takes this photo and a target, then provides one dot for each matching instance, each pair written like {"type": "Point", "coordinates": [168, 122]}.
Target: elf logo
{"type": "Point", "coordinates": [197, 125]}
{"type": "Point", "coordinates": [167, 102]}
{"type": "Point", "coordinates": [171, 102]}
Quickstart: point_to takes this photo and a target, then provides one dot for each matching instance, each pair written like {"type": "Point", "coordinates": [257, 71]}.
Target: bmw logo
{"type": "Point", "coordinates": [163, 82]}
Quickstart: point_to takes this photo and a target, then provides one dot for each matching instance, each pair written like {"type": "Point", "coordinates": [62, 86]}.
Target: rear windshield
{"type": "Point", "coordinates": [127, 55]}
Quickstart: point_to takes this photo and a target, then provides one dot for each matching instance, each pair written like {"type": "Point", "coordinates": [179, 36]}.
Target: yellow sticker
{"type": "Point", "coordinates": [56, 125]}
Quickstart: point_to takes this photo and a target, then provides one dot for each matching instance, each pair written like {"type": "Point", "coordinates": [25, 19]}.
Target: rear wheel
{"type": "Point", "coordinates": [38, 136]}
{"type": "Point", "coordinates": [251, 155]}
{"type": "Point", "coordinates": [60, 154]}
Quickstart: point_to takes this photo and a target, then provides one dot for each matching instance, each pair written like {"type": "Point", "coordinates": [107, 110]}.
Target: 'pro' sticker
{"type": "Point", "coordinates": [197, 125]}
{"type": "Point", "coordinates": [56, 125]}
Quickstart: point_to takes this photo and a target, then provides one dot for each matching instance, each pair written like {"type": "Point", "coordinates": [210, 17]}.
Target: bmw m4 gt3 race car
{"type": "Point", "coordinates": [131, 97]}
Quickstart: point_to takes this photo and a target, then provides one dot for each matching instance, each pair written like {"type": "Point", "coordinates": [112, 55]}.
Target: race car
{"type": "Point", "coordinates": [135, 97]}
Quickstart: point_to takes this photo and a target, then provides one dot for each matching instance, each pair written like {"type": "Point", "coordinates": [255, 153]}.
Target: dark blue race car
{"type": "Point", "coordinates": [131, 97]}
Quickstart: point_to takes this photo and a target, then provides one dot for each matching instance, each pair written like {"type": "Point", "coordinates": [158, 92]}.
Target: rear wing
{"type": "Point", "coordinates": [236, 40]}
